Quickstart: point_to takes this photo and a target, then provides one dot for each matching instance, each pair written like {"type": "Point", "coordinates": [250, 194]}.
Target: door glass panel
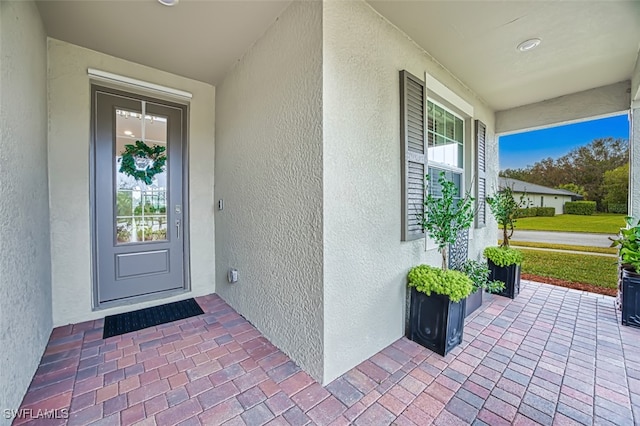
{"type": "Point", "coordinates": [141, 162]}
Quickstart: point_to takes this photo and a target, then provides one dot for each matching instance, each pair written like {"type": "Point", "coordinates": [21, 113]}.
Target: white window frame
{"type": "Point", "coordinates": [444, 97]}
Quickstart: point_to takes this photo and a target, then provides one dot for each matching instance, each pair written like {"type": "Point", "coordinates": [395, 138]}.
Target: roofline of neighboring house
{"type": "Point", "coordinates": [532, 188]}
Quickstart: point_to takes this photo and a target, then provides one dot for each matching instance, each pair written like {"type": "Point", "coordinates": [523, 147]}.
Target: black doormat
{"type": "Point", "coordinates": [115, 325]}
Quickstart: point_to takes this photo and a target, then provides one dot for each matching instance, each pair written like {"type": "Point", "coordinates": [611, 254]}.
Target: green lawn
{"type": "Point", "coordinates": [599, 271]}
{"type": "Point", "coordinates": [598, 223]}
{"type": "Point", "coordinates": [605, 250]}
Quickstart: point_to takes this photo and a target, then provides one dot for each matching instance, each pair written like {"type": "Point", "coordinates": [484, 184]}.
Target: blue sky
{"type": "Point", "coordinates": [523, 149]}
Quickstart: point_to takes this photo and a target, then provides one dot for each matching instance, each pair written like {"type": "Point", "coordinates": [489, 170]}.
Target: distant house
{"type": "Point", "coordinates": [538, 195]}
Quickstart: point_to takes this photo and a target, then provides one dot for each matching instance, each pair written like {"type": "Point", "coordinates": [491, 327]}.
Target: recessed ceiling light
{"type": "Point", "coordinates": [128, 132]}
{"type": "Point", "coordinates": [530, 44]}
{"type": "Point", "coordinates": [168, 2]}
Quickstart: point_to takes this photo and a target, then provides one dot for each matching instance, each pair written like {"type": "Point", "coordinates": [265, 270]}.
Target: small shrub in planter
{"type": "Point", "coordinates": [628, 243]}
{"type": "Point", "coordinates": [584, 208]}
{"type": "Point", "coordinates": [503, 256]}
{"type": "Point", "coordinates": [479, 273]}
{"type": "Point", "coordinates": [437, 307]}
{"type": "Point", "coordinates": [428, 279]}
{"type": "Point", "coordinates": [504, 262]}
{"type": "Point", "coordinates": [504, 266]}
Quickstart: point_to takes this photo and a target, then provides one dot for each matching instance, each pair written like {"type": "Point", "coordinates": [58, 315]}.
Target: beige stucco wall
{"type": "Point", "coordinates": [365, 263]}
{"type": "Point", "coordinates": [69, 136]}
{"type": "Point", "coordinates": [25, 263]}
{"type": "Point", "coordinates": [269, 173]}
{"type": "Point", "coordinates": [544, 200]}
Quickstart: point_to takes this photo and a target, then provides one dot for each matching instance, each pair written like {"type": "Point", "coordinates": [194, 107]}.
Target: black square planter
{"type": "Point", "coordinates": [509, 275]}
{"type": "Point", "coordinates": [474, 301]}
{"type": "Point", "coordinates": [630, 299]}
{"type": "Point", "coordinates": [436, 322]}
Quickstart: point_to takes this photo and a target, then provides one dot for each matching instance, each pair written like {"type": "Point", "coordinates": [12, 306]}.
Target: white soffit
{"type": "Point", "coordinates": [201, 40]}
{"type": "Point", "coordinates": [585, 44]}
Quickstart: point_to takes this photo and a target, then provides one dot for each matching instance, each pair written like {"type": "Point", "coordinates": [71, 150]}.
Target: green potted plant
{"type": "Point", "coordinates": [438, 295]}
{"type": "Point", "coordinates": [628, 243]}
{"type": "Point", "coordinates": [504, 261]}
{"type": "Point", "coordinates": [479, 274]}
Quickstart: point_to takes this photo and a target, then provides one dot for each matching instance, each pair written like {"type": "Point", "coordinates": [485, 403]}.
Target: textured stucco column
{"type": "Point", "coordinates": [25, 261]}
{"type": "Point", "coordinates": [365, 261]}
{"type": "Point", "coordinates": [268, 170]}
{"type": "Point", "coordinates": [634, 159]}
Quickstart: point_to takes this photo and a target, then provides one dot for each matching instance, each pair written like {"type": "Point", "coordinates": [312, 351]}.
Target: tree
{"type": "Point", "coordinates": [504, 208]}
{"type": "Point", "coordinates": [519, 174]}
{"type": "Point", "coordinates": [573, 188]}
{"type": "Point", "coordinates": [124, 203]}
{"type": "Point", "coordinates": [584, 166]}
{"type": "Point", "coordinates": [445, 216]}
{"type": "Point", "coordinates": [590, 162]}
{"type": "Point", "coordinates": [616, 186]}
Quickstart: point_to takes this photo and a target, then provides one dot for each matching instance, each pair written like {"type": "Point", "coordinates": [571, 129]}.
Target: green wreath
{"type": "Point", "coordinates": [154, 153]}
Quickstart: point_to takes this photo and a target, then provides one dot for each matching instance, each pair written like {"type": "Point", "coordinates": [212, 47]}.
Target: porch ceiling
{"type": "Point", "coordinates": [196, 39]}
{"type": "Point", "coordinates": [585, 44]}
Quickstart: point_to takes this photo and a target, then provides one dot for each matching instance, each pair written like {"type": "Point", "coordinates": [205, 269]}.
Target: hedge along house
{"type": "Point", "coordinates": [539, 196]}
{"type": "Point", "coordinates": [303, 130]}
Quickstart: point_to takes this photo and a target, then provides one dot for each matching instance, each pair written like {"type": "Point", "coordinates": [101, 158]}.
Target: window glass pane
{"type": "Point", "coordinates": [449, 130]}
{"type": "Point", "coordinates": [438, 150]}
{"type": "Point", "coordinates": [430, 124]}
{"type": "Point", "coordinates": [459, 130]}
{"type": "Point", "coordinates": [438, 118]}
{"type": "Point", "coordinates": [141, 204]}
{"type": "Point", "coordinates": [435, 188]}
{"type": "Point", "coordinates": [445, 133]}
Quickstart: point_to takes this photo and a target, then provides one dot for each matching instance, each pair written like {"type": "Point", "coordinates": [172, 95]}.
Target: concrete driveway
{"type": "Point", "coordinates": [572, 238]}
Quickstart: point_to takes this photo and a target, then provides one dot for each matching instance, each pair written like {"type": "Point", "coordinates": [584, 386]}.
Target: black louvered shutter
{"type": "Point", "coordinates": [413, 117]}
{"type": "Point", "coordinates": [481, 170]}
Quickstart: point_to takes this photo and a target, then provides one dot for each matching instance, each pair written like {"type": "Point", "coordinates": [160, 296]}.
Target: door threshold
{"type": "Point", "coordinates": [140, 299]}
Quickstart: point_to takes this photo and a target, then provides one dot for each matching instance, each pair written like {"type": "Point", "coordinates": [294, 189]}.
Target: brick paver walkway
{"type": "Point", "coordinates": [552, 356]}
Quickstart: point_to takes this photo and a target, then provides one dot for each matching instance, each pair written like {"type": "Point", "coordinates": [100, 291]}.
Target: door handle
{"type": "Point", "coordinates": [178, 228]}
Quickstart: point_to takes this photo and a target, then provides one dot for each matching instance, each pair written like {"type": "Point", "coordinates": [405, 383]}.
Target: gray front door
{"type": "Point", "coordinates": [138, 203]}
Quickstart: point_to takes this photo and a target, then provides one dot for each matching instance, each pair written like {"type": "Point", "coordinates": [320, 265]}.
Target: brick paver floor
{"type": "Point", "coordinates": [551, 356]}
